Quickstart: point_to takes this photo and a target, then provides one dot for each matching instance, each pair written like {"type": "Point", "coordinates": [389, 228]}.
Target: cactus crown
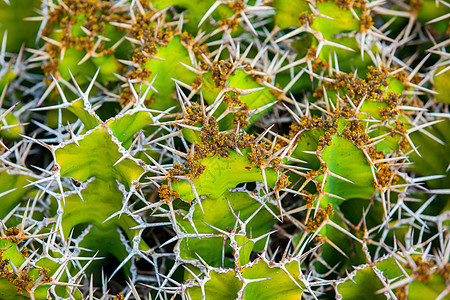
{"type": "Point", "coordinates": [224, 149]}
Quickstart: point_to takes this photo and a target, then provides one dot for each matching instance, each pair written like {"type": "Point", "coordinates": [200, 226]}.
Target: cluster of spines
{"type": "Point", "coordinates": [189, 149]}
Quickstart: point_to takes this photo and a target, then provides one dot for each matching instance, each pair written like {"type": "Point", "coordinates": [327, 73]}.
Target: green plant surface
{"type": "Point", "coordinates": [197, 9]}
{"type": "Point", "coordinates": [69, 156]}
{"type": "Point", "coordinates": [342, 20]}
{"type": "Point", "coordinates": [346, 160]}
{"type": "Point", "coordinates": [8, 76]}
{"type": "Point", "coordinates": [264, 281]}
{"type": "Point", "coordinates": [279, 283]}
{"type": "Point", "coordinates": [434, 159]}
{"type": "Point", "coordinates": [167, 70]}
{"type": "Point", "coordinates": [222, 173]}
{"type": "Point", "coordinates": [221, 285]}
{"type": "Point", "coordinates": [13, 132]}
{"type": "Point", "coordinates": [216, 213]}
{"type": "Point", "coordinates": [13, 190]}
{"type": "Point", "coordinates": [102, 197]}
{"type": "Point", "coordinates": [441, 82]}
{"type": "Point", "coordinates": [72, 43]}
{"type": "Point", "coordinates": [242, 81]}
{"type": "Point", "coordinates": [288, 13]}
{"type": "Point", "coordinates": [12, 16]}
{"type": "Point", "coordinates": [370, 278]}
{"type": "Point", "coordinates": [229, 149]}
{"type": "Point", "coordinates": [365, 277]}
{"type": "Point", "coordinates": [34, 279]}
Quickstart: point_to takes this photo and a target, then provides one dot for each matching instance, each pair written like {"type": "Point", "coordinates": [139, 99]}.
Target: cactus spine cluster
{"type": "Point", "coordinates": [224, 149]}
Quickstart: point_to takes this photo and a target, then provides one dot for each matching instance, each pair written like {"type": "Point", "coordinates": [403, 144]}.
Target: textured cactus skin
{"type": "Point", "coordinates": [224, 149]}
{"type": "Point", "coordinates": [211, 250]}
{"type": "Point", "coordinates": [102, 197]}
{"type": "Point", "coordinates": [233, 170]}
{"type": "Point", "coordinates": [13, 22]}
{"type": "Point", "coordinates": [30, 276]}
{"type": "Point", "coordinates": [440, 81]}
{"type": "Point", "coordinates": [427, 280]}
{"type": "Point", "coordinates": [15, 183]}
{"type": "Point", "coordinates": [11, 254]}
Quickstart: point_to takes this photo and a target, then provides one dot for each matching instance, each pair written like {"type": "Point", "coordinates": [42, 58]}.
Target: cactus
{"type": "Point", "coordinates": [407, 275]}
{"type": "Point", "coordinates": [224, 150]}
{"type": "Point", "coordinates": [14, 15]}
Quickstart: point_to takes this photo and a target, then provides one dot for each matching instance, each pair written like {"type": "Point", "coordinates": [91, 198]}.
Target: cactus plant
{"type": "Point", "coordinates": [224, 149]}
